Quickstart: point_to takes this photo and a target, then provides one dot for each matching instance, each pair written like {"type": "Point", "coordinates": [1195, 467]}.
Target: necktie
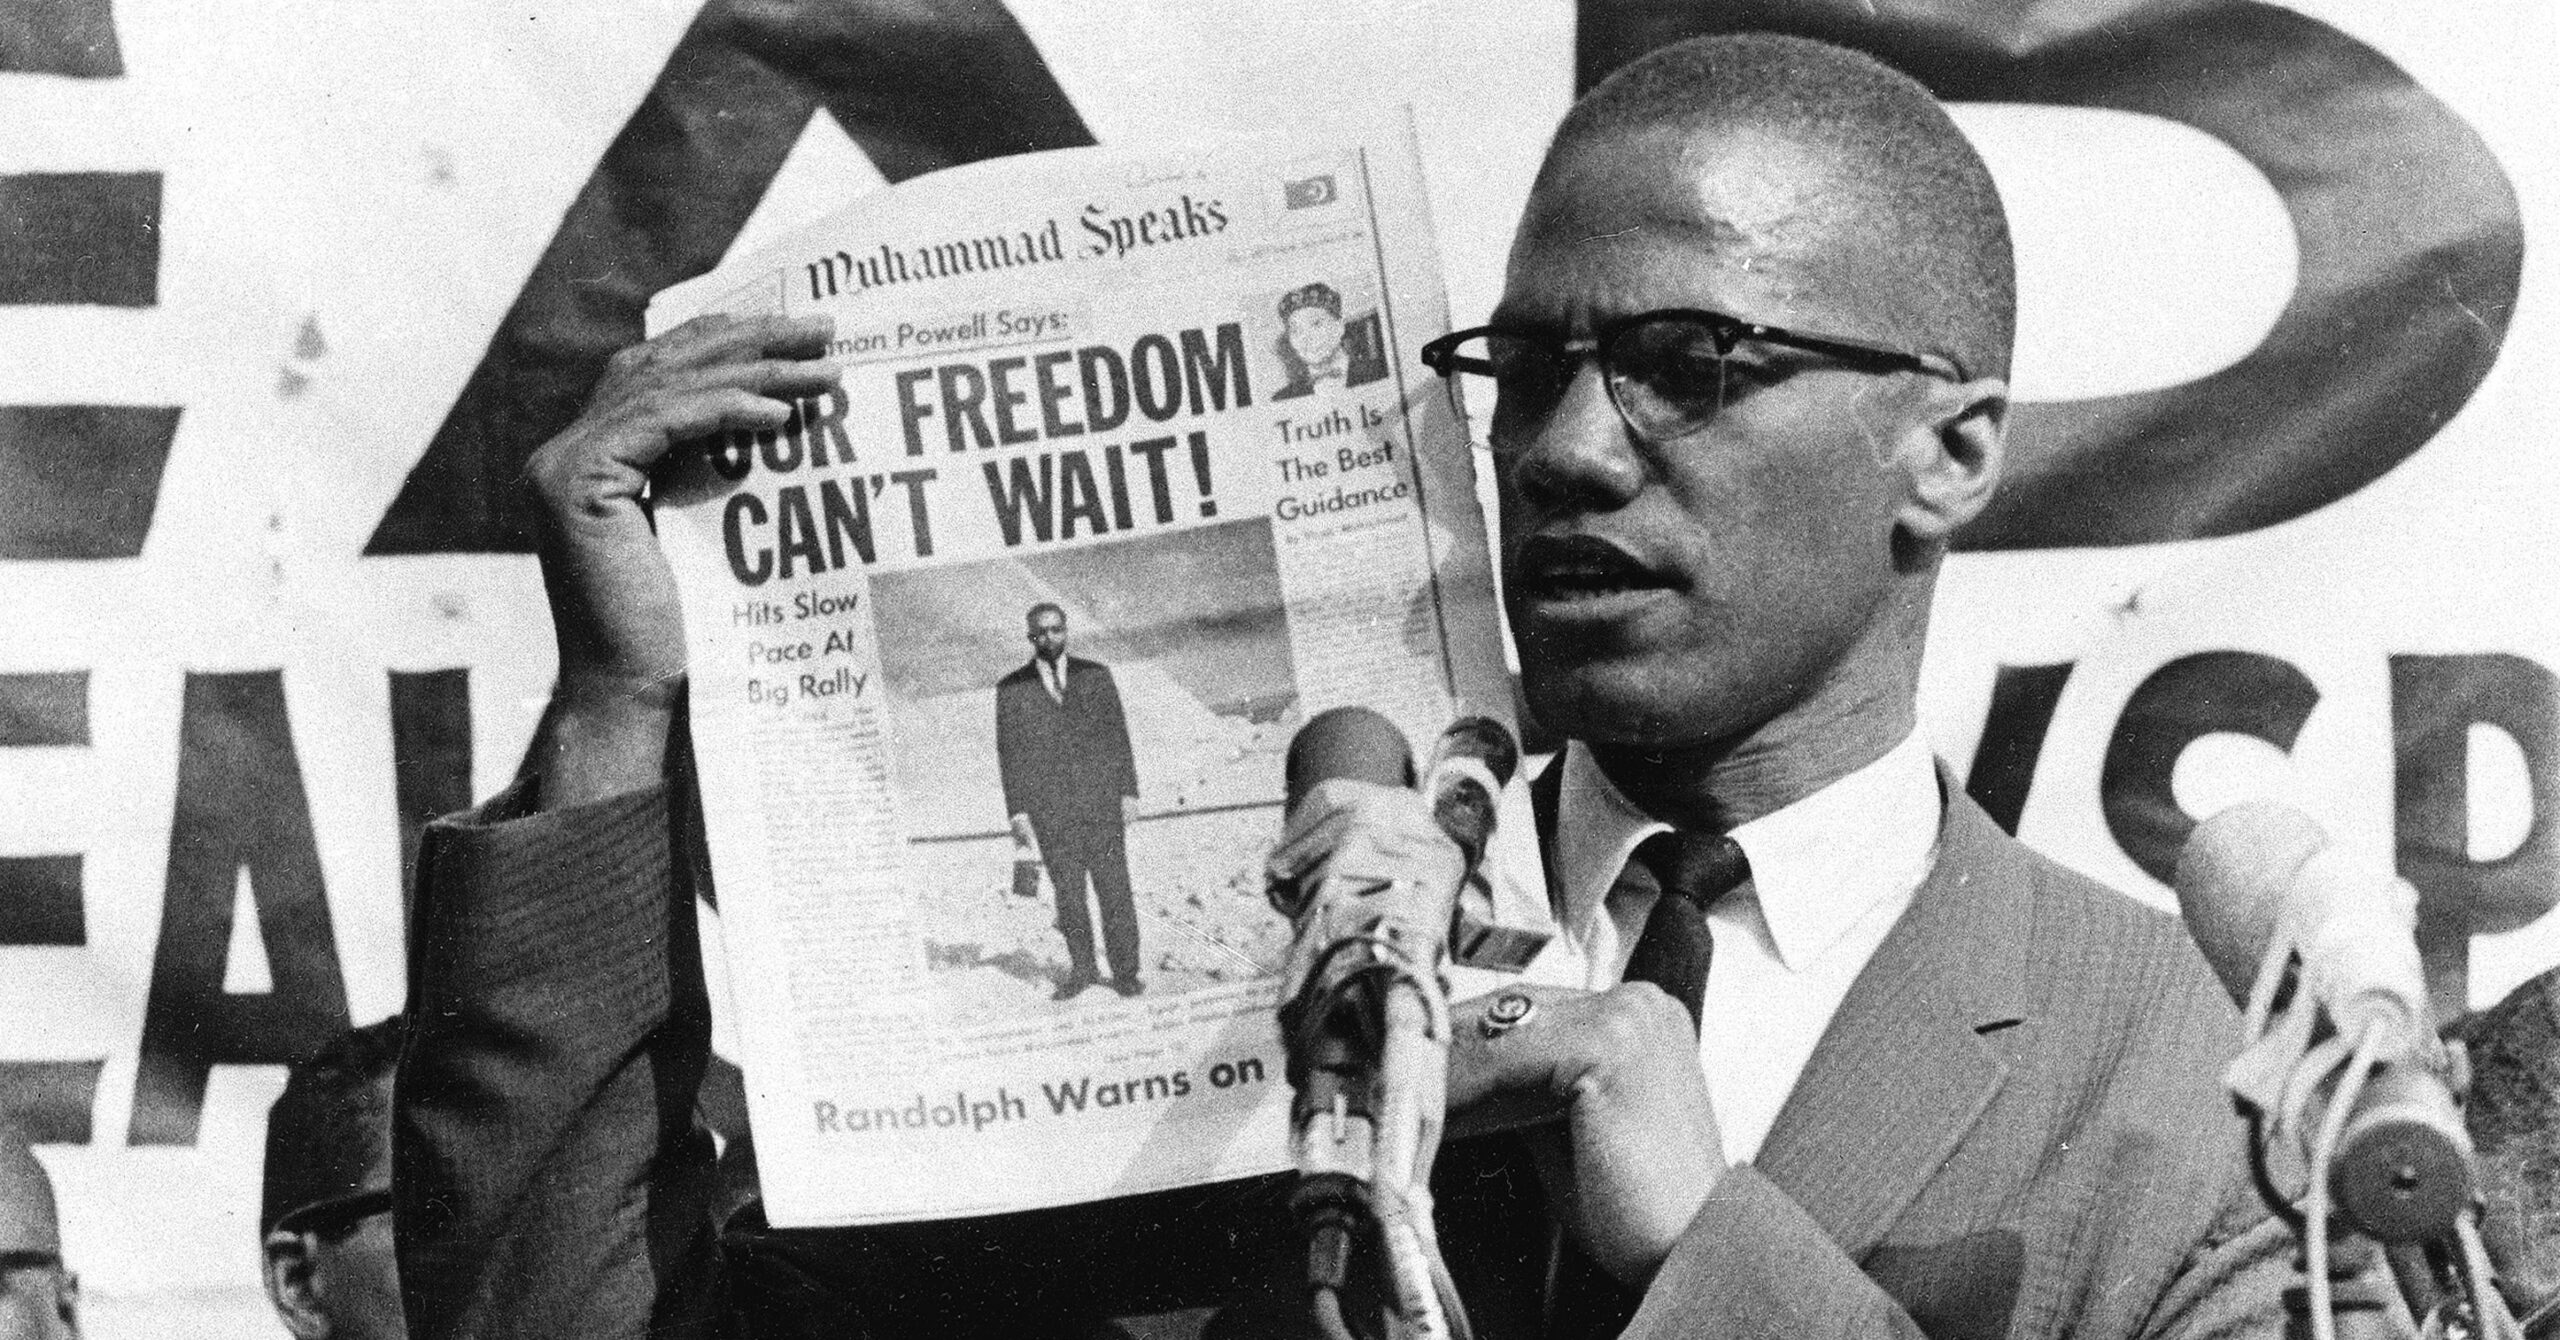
{"type": "Point", "coordinates": [1692, 870]}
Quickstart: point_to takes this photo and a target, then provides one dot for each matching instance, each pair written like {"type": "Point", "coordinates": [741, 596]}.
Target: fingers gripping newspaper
{"type": "Point", "coordinates": [996, 652]}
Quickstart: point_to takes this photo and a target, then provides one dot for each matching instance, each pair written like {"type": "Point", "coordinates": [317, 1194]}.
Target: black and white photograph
{"type": "Point", "coordinates": [1465, 670]}
{"type": "Point", "coordinates": [1091, 744]}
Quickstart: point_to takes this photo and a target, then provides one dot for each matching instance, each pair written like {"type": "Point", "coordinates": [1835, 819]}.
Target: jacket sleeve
{"type": "Point", "coordinates": [1754, 1264]}
{"type": "Point", "coordinates": [1009, 761]}
{"type": "Point", "coordinates": [1115, 730]}
{"type": "Point", "coordinates": [549, 1176]}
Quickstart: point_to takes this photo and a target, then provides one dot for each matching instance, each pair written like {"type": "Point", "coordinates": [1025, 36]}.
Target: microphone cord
{"type": "Point", "coordinates": [2496, 1322]}
{"type": "Point", "coordinates": [2333, 1123]}
{"type": "Point", "coordinates": [1421, 1289]}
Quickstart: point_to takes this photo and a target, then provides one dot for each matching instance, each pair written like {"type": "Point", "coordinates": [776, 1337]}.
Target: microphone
{"type": "Point", "coordinates": [2263, 873]}
{"type": "Point", "coordinates": [2263, 890]}
{"type": "Point", "coordinates": [1474, 760]}
{"type": "Point", "coordinates": [1371, 882]}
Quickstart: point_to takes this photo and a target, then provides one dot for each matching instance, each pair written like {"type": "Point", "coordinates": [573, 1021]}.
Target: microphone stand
{"type": "Point", "coordinates": [2437, 1260]}
{"type": "Point", "coordinates": [1364, 1134]}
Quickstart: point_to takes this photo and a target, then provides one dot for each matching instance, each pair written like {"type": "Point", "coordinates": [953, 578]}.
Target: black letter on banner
{"type": "Point", "coordinates": [74, 38]}
{"type": "Point", "coordinates": [240, 807]}
{"type": "Point", "coordinates": [430, 753]}
{"type": "Point", "coordinates": [2411, 248]}
{"type": "Point", "coordinates": [2435, 701]}
{"type": "Point", "coordinates": [2208, 693]}
{"type": "Point", "coordinates": [918, 87]}
{"type": "Point", "coordinates": [40, 905]}
{"type": "Point", "coordinates": [2004, 760]}
{"type": "Point", "coordinates": [80, 481]}
{"type": "Point", "coordinates": [80, 238]}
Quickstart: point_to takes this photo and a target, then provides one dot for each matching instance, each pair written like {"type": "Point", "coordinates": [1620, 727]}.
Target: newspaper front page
{"type": "Point", "coordinates": [1133, 470]}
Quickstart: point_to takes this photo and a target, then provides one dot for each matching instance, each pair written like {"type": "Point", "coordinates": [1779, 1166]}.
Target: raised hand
{"type": "Point", "coordinates": [613, 596]}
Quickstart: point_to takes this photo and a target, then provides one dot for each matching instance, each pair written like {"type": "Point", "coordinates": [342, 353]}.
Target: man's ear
{"type": "Point", "coordinates": [1952, 458]}
{"type": "Point", "coordinates": [291, 1261]}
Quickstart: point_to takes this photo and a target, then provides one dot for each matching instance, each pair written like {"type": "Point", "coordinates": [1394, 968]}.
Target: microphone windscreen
{"type": "Point", "coordinates": [1485, 740]}
{"type": "Point", "coordinates": [2231, 881]}
{"type": "Point", "coordinates": [1347, 742]}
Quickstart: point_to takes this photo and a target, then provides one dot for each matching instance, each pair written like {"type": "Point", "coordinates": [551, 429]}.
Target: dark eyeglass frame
{"type": "Point", "coordinates": [29, 1260]}
{"type": "Point", "coordinates": [1726, 330]}
{"type": "Point", "coordinates": [336, 1216]}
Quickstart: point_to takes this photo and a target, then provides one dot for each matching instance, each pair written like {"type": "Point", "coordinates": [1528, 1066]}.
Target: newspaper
{"type": "Point", "coordinates": [1162, 407]}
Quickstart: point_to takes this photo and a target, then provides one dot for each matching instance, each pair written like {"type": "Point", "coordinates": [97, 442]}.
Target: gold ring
{"type": "Point", "coordinates": [1506, 1011]}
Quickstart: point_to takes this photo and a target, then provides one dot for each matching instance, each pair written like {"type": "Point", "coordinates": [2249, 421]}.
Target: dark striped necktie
{"type": "Point", "coordinates": [1692, 870]}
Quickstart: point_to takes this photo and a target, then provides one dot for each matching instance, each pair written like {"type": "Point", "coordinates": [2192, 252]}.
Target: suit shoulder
{"type": "Point", "coordinates": [2108, 952]}
{"type": "Point", "coordinates": [1077, 665]}
{"type": "Point", "coordinates": [1020, 674]}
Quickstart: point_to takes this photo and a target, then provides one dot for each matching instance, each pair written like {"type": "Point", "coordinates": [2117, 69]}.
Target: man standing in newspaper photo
{"type": "Point", "coordinates": [1071, 791]}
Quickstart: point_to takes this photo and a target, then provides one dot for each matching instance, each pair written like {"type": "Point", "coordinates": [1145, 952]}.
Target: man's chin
{"type": "Point", "coordinates": [1614, 703]}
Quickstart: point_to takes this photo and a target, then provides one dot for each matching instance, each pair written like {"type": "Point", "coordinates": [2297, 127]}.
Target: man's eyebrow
{"type": "Point", "coordinates": [1511, 318]}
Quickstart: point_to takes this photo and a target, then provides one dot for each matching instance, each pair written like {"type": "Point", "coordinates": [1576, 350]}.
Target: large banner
{"type": "Point", "coordinates": [290, 288]}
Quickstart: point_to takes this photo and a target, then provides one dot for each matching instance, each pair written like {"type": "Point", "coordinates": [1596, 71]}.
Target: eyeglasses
{"type": "Point", "coordinates": [29, 1260]}
{"type": "Point", "coordinates": [336, 1216]}
{"type": "Point", "coordinates": [1668, 372]}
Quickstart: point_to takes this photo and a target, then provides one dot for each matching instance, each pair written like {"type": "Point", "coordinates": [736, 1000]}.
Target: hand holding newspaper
{"type": "Point", "coordinates": [1130, 472]}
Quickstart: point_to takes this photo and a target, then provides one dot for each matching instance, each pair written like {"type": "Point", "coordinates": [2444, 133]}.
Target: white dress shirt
{"type": "Point", "coordinates": [1830, 874]}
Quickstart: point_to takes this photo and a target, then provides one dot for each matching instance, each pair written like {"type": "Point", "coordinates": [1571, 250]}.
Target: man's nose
{"type": "Point", "coordinates": [1582, 453]}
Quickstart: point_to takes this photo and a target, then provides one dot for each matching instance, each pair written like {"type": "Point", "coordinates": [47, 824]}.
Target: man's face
{"type": "Point", "coordinates": [356, 1279]}
{"type": "Point", "coordinates": [1681, 592]}
{"type": "Point", "coordinates": [1315, 335]}
{"type": "Point", "coordinates": [334, 1274]}
{"type": "Point", "coordinates": [1049, 634]}
{"type": "Point", "coordinates": [38, 1300]}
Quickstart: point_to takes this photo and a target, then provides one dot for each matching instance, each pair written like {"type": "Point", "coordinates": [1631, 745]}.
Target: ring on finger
{"type": "Point", "coordinates": [1506, 1011]}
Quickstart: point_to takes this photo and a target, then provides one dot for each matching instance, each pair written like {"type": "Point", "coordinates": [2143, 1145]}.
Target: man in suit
{"type": "Point", "coordinates": [1752, 351]}
{"type": "Point", "coordinates": [325, 1203]}
{"type": "Point", "coordinates": [1071, 788]}
{"type": "Point", "coordinates": [39, 1296]}
{"type": "Point", "coordinates": [1850, 1061]}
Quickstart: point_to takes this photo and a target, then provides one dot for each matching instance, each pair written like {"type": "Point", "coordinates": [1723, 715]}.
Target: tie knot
{"type": "Point", "coordinates": [1698, 868]}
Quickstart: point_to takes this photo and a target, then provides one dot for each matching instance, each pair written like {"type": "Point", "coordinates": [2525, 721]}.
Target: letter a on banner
{"type": "Point", "coordinates": [241, 806]}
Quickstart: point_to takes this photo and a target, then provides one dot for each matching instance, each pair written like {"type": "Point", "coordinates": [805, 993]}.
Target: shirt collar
{"type": "Point", "coordinates": [1818, 866]}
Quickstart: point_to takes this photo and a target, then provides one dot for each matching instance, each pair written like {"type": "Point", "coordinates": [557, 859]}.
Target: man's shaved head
{"type": "Point", "coordinates": [1924, 204]}
{"type": "Point", "coordinates": [39, 1300]}
{"type": "Point", "coordinates": [27, 1219]}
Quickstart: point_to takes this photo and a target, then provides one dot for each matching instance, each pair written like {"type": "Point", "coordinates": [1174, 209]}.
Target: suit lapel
{"type": "Point", "coordinates": [1907, 1067]}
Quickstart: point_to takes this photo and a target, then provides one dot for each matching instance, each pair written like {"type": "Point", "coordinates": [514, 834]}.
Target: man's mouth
{"type": "Point", "coordinates": [1579, 568]}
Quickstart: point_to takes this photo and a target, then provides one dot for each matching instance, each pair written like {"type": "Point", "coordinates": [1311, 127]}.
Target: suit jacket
{"type": "Point", "coordinates": [1065, 763]}
{"type": "Point", "coordinates": [2013, 1127]}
